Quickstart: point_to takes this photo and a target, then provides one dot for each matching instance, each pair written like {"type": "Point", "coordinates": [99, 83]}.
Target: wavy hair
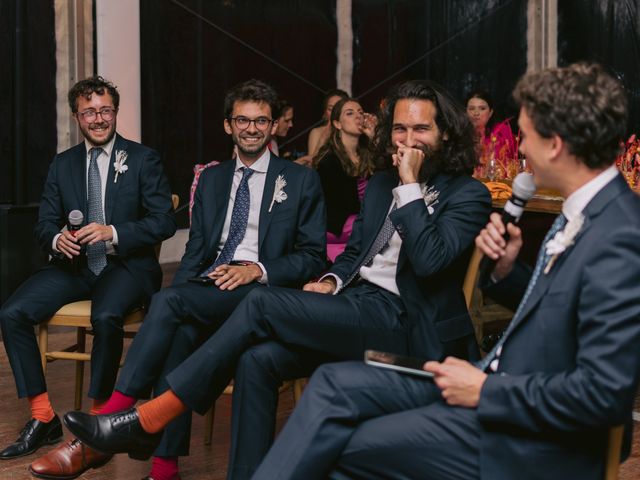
{"type": "Point", "coordinates": [96, 84]}
{"type": "Point", "coordinates": [582, 104]}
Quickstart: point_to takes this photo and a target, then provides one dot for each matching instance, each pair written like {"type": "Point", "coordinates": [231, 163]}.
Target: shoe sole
{"type": "Point", "coordinates": [44, 443]}
{"type": "Point", "coordinates": [68, 477]}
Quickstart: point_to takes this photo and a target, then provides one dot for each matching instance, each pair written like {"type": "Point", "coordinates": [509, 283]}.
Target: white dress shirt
{"type": "Point", "coordinates": [248, 247]}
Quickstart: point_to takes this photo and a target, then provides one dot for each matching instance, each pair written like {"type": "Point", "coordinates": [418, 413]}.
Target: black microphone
{"type": "Point", "coordinates": [522, 190]}
{"type": "Point", "coordinates": [74, 224]}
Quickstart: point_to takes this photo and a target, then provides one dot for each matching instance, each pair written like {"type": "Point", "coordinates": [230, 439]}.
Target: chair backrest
{"type": "Point", "coordinates": [471, 277]}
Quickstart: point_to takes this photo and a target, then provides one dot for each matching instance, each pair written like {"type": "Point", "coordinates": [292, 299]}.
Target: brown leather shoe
{"type": "Point", "coordinates": [68, 461]}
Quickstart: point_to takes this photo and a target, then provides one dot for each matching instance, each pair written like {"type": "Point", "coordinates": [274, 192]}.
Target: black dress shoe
{"type": "Point", "coordinates": [115, 433]}
{"type": "Point", "coordinates": [34, 435]}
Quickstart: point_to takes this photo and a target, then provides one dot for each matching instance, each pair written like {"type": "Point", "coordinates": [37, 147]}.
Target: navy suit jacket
{"type": "Point", "coordinates": [291, 237]}
{"type": "Point", "coordinates": [433, 258]}
{"type": "Point", "coordinates": [570, 368]}
{"type": "Point", "coordinates": [138, 205]}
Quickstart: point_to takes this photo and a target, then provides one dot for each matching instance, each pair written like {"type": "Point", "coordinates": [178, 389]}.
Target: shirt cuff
{"type": "Point", "coordinates": [339, 282]}
{"type": "Point", "coordinates": [264, 279]}
{"type": "Point", "coordinates": [114, 240]}
{"type": "Point", "coordinates": [54, 244]}
{"type": "Point", "coordinates": [404, 194]}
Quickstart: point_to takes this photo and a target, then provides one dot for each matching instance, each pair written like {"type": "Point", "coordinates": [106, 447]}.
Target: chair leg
{"type": "Point", "coordinates": [298, 386]}
{"type": "Point", "coordinates": [43, 344]}
{"type": "Point", "coordinates": [208, 425]}
{"type": "Point", "coordinates": [80, 348]}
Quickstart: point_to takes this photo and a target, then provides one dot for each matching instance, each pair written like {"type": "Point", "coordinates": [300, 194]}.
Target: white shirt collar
{"type": "Point", "coordinates": [107, 147]}
{"type": "Point", "coordinates": [578, 200]}
{"type": "Point", "coordinates": [260, 165]}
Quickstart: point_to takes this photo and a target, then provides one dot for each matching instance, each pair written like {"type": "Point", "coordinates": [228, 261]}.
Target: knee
{"type": "Point", "coordinates": [11, 316]}
{"type": "Point", "coordinates": [258, 360]}
{"type": "Point", "coordinates": [335, 377]}
{"type": "Point", "coordinates": [107, 324]}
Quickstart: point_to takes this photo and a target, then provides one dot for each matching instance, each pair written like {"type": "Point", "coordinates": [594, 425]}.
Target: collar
{"type": "Point", "coordinates": [578, 200]}
{"type": "Point", "coordinates": [107, 147]}
{"type": "Point", "coordinates": [261, 165]}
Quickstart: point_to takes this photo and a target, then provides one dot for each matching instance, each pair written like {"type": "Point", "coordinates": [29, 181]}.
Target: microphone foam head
{"type": "Point", "coordinates": [75, 218]}
{"type": "Point", "coordinates": [523, 186]}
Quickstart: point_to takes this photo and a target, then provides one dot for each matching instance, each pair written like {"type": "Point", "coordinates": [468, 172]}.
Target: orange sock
{"type": "Point", "coordinates": [156, 414]}
{"type": "Point", "coordinates": [96, 406]}
{"type": "Point", "coordinates": [41, 408]}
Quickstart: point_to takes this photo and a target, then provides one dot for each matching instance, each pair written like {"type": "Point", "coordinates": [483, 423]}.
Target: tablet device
{"type": "Point", "coordinates": [201, 280]}
{"type": "Point", "coordinates": [400, 363]}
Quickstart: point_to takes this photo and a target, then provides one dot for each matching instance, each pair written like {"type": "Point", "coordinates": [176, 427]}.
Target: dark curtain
{"type": "Point", "coordinates": [608, 32]}
{"type": "Point", "coordinates": [39, 93]}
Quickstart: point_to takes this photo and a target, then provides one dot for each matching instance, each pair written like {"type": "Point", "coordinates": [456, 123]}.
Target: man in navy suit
{"type": "Point", "coordinates": [123, 194]}
{"type": "Point", "coordinates": [566, 370]}
{"type": "Point", "coordinates": [257, 221]}
{"type": "Point", "coordinates": [396, 287]}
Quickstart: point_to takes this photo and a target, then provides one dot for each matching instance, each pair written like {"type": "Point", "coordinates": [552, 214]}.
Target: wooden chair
{"type": "Point", "coordinates": [78, 315]}
{"type": "Point", "coordinates": [614, 447]}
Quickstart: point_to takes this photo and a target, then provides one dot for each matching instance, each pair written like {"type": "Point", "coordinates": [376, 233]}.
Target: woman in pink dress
{"type": "Point", "coordinates": [495, 139]}
{"type": "Point", "coordinates": [344, 164]}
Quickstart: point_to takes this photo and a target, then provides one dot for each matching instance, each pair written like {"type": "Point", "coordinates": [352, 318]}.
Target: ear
{"type": "Point", "coordinates": [556, 146]}
{"type": "Point", "coordinates": [337, 125]}
{"type": "Point", "coordinates": [274, 127]}
{"type": "Point", "coordinates": [490, 114]}
{"type": "Point", "coordinates": [227, 126]}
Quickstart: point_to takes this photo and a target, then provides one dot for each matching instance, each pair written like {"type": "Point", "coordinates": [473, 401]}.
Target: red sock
{"type": "Point", "coordinates": [117, 402]}
{"type": "Point", "coordinates": [156, 414]}
{"type": "Point", "coordinates": [96, 406]}
{"type": "Point", "coordinates": [164, 468]}
{"type": "Point", "coordinates": [41, 408]}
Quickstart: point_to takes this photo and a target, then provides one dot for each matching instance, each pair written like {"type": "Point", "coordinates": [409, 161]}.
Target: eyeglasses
{"type": "Point", "coordinates": [242, 123]}
{"type": "Point", "coordinates": [106, 113]}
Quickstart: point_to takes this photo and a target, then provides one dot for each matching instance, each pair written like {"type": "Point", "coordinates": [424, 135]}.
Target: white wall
{"type": "Point", "coordinates": [118, 58]}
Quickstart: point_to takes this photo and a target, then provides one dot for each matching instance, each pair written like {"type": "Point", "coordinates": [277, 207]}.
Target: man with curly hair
{"type": "Point", "coordinates": [540, 404]}
{"type": "Point", "coordinates": [397, 287]}
{"type": "Point", "coordinates": [119, 197]}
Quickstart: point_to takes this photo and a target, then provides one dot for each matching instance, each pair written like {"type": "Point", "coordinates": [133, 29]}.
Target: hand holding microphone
{"type": "Point", "coordinates": [500, 241]}
{"type": "Point", "coordinates": [67, 242]}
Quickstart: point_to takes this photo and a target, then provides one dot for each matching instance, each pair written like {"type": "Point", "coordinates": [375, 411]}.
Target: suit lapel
{"type": "Point", "coordinates": [592, 210]}
{"type": "Point", "coordinates": [381, 202]}
{"type": "Point", "coordinates": [217, 202]}
{"type": "Point", "coordinates": [111, 190]}
{"type": "Point", "coordinates": [79, 176]}
{"type": "Point", "coordinates": [275, 168]}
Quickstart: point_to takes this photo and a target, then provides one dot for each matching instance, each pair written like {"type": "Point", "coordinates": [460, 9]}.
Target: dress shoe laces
{"type": "Point", "coordinates": [126, 417]}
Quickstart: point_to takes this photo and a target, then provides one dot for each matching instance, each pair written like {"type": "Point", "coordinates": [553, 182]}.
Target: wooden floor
{"type": "Point", "coordinates": [205, 462]}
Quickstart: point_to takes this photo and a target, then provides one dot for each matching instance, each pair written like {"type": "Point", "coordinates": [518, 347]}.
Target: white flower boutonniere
{"type": "Point", "coordinates": [562, 240]}
{"type": "Point", "coordinates": [279, 195]}
{"type": "Point", "coordinates": [430, 195]}
{"type": "Point", "coordinates": [121, 157]}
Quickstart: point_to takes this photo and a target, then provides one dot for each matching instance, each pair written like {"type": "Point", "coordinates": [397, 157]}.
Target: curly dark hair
{"type": "Point", "coordinates": [456, 153]}
{"type": "Point", "coordinates": [250, 91]}
{"type": "Point", "coordinates": [582, 104]}
{"type": "Point", "coordinates": [334, 145]}
{"type": "Point", "coordinates": [88, 86]}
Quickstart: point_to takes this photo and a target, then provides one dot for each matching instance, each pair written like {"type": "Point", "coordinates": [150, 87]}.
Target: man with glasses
{"type": "Point", "coordinates": [115, 195]}
{"type": "Point", "coordinates": [257, 221]}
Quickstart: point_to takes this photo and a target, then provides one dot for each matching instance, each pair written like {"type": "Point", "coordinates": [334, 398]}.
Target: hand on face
{"type": "Point", "coordinates": [408, 161]}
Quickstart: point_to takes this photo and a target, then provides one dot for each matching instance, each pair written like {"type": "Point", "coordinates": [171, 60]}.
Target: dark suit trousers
{"type": "Point", "coordinates": [357, 421]}
{"type": "Point", "coordinates": [180, 318]}
{"type": "Point", "coordinates": [336, 327]}
{"type": "Point", "coordinates": [113, 293]}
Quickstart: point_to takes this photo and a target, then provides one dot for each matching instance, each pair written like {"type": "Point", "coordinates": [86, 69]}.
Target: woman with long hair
{"type": "Point", "coordinates": [344, 164]}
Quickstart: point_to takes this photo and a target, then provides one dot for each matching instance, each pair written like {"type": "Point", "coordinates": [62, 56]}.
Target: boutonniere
{"type": "Point", "coordinates": [121, 157]}
{"type": "Point", "coordinates": [279, 195]}
{"type": "Point", "coordinates": [430, 195]}
{"type": "Point", "coordinates": [562, 240]}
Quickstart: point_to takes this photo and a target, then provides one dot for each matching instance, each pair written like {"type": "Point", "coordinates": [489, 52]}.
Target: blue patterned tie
{"type": "Point", "coordinates": [379, 245]}
{"type": "Point", "coordinates": [96, 253]}
{"type": "Point", "coordinates": [238, 227]}
{"type": "Point", "coordinates": [541, 261]}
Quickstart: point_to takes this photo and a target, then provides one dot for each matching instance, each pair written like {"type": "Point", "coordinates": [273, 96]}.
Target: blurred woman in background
{"type": "Point", "coordinates": [344, 164]}
{"type": "Point", "coordinates": [319, 135]}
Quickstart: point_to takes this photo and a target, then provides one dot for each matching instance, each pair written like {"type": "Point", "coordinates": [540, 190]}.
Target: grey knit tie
{"type": "Point", "coordinates": [96, 253]}
{"type": "Point", "coordinates": [541, 261]}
